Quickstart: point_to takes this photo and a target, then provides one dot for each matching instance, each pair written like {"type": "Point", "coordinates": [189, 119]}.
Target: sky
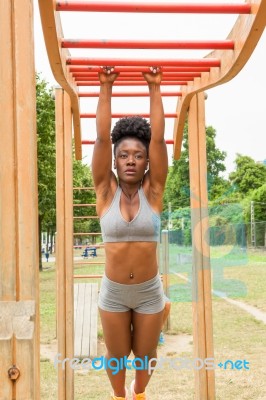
{"type": "Point", "coordinates": [236, 110]}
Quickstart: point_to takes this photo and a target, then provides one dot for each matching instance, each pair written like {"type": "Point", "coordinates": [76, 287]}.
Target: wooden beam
{"type": "Point", "coordinates": [201, 274]}
{"type": "Point", "coordinates": [52, 31]}
{"type": "Point", "coordinates": [245, 34]}
{"type": "Point", "coordinates": [19, 288]}
{"type": "Point", "coordinates": [64, 248]}
{"type": "Point", "coordinates": [86, 319]}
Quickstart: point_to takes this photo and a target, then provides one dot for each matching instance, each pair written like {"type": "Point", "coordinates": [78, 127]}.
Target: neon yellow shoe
{"type": "Point", "coordinates": [137, 396]}
{"type": "Point", "coordinates": [113, 397]}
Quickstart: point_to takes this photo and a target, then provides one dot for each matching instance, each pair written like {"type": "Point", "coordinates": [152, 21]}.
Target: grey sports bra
{"type": "Point", "coordinates": [144, 227]}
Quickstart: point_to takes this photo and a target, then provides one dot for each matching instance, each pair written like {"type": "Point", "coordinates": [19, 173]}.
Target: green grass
{"type": "Point", "coordinates": [48, 305]}
{"type": "Point", "coordinates": [237, 335]}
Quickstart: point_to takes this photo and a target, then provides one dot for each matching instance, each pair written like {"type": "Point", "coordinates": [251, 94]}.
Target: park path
{"type": "Point", "coordinates": [254, 311]}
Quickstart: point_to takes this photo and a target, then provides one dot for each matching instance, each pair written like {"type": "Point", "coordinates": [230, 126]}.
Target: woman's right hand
{"type": "Point", "coordinates": [107, 75]}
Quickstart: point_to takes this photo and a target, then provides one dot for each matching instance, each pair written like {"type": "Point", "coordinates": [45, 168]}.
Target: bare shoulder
{"type": "Point", "coordinates": [105, 193]}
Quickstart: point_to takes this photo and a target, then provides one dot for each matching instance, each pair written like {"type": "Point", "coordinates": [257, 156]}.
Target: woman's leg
{"type": "Point", "coordinates": [166, 311]}
{"type": "Point", "coordinates": [146, 331]}
{"type": "Point", "coordinates": [117, 336]}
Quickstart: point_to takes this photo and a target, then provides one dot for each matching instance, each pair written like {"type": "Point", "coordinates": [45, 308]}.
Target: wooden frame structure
{"type": "Point", "coordinates": [193, 76]}
{"type": "Point", "coordinates": [64, 245]}
{"type": "Point", "coordinates": [19, 265]}
{"type": "Point", "coordinates": [19, 293]}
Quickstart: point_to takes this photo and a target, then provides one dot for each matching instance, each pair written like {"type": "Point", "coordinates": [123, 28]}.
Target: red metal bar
{"type": "Point", "coordinates": [168, 141]}
{"type": "Point", "coordinates": [130, 83]}
{"type": "Point", "coordinates": [141, 44]}
{"type": "Point", "coordinates": [136, 78]}
{"type": "Point", "coordinates": [129, 94]}
{"type": "Point", "coordinates": [122, 115]}
{"type": "Point", "coordinates": [206, 62]}
{"type": "Point", "coordinates": [130, 75]}
{"type": "Point", "coordinates": [139, 69]}
{"type": "Point", "coordinates": [198, 8]}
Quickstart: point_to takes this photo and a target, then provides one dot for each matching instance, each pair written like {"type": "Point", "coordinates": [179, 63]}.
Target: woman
{"type": "Point", "coordinates": [131, 300]}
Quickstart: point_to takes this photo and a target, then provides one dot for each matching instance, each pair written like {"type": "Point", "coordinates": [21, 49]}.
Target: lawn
{"type": "Point", "coordinates": [237, 335]}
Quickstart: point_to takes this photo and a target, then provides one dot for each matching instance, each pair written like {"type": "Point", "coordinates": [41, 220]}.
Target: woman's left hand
{"type": "Point", "coordinates": [155, 76]}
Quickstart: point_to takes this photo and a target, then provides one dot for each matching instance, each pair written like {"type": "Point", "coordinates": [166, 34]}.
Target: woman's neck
{"type": "Point", "coordinates": [130, 191]}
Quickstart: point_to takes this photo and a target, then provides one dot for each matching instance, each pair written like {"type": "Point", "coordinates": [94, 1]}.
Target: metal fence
{"type": "Point", "coordinates": [239, 234]}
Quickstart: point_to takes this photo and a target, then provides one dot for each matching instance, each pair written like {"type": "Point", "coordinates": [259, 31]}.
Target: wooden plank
{"type": "Point", "coordinates": [94, 321]}
{"type": "Point", "coordinates": [17, 331]}
{"type": "Point", "coordinates": [165, 269]}
{"type": "Point", "coordinates": [18, 197]}
{"type": "Point", "coordinates": [79, 321]}
{"type": "Point", "coordinates": [86, 324]}
{"type": "Point", "coordinates": [69, 255]}
{"type": "Point", "coordinates": [86, 319]}
{"type": "Point", "coordinates": [6, 352]}
{"type": "Point", "coordinates": [201, 277]}
{"type": "Point", "coordinates": [60, 245]}
{"type": "Point", "coordinates": [52, 32]}
{"type": "Point", "coordinates": [76, 293]}
{"type": "Point", "coordinates": [64, 254]}
{"type": "Point", "coordinates": [8, 213]}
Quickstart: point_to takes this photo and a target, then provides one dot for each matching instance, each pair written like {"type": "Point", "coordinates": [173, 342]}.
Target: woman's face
{"type": "Point", "coordinates": [131, 160]}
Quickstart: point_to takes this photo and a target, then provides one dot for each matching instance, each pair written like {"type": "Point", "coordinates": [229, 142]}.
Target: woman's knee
{"type": "Point", "coordinates": [141, 353]}
{"type": "Point", "coordinates": [117, 353]}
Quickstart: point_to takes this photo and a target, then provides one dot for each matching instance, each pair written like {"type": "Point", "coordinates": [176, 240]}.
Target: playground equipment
{"type": "Point", "coordinates": [19, 294]}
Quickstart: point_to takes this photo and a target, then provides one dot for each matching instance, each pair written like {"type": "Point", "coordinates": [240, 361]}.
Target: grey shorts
{"type": "Point", "coordinates": [145, 298]}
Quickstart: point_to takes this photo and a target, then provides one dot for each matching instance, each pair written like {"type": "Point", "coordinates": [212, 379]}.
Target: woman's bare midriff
{"type": "Point", "coordinates": [131, 258]}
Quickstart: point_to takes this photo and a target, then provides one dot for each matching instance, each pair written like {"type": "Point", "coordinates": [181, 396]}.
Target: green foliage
{"type": "Point", "coordinates": [47, 168]}
{"type": "Point", "coordinates": [259, 198]}
{"type": "Point", "coordinates": [226, 213]}
{"type": "Point", "coordinates": [177, 186]}
{"type": "Point", "coordinates": [46, 151]}
{"type": "Point", "coordinates": [248, 175]}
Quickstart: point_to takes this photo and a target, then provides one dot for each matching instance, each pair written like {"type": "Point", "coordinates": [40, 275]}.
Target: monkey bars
{"type": "Point", "coordinates": [93, 142]}
{"type": "Point", "coordinates": [210, 62]}
{"type": "Point", "coordinates": [130, 94]}
{"type": "Point", "coordinates": [165, 69]}
{"type": "Point", "coordinates": [121, 115]}
{"type": "Point", "coordinates": [141, 44]}
{"type": "Point", "coordinates": [212, 69]}
{"type": "Point", "coordinates": [200, 8]}
{"type": "Point", "coordinates": [130, 83]}
{"type": "Point", "coordinates": [192, 75]}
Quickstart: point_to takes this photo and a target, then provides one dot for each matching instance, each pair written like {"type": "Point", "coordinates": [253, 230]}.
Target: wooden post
{"type": "Point", "coordinates": [165, 268]}
{"type": "Point", "coordinates": [64, 243]}
{"type": "Point", "coordinates": [19, 270]}
{"type": "Point", "coordinates": [201, 273]}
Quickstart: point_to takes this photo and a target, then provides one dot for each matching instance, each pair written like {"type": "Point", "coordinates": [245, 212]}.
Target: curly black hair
{"type": "Point", "coordinates": [136, 127]}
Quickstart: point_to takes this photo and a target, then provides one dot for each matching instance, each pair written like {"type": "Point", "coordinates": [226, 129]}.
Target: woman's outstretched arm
{"type": "Point", "coordinates": [158, 161]}
{"type": "Point", "coordinates": [102, 152]}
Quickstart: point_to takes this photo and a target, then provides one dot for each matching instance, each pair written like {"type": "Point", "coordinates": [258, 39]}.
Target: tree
{"type": "Point", "coordinates": [45, 109]}
{"type": "Point", "coordinates": [248, 176]}
{"type": "Point", "coordinates": [177, 186]}
{"type": "Point", "coordinates": [258, 197]}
